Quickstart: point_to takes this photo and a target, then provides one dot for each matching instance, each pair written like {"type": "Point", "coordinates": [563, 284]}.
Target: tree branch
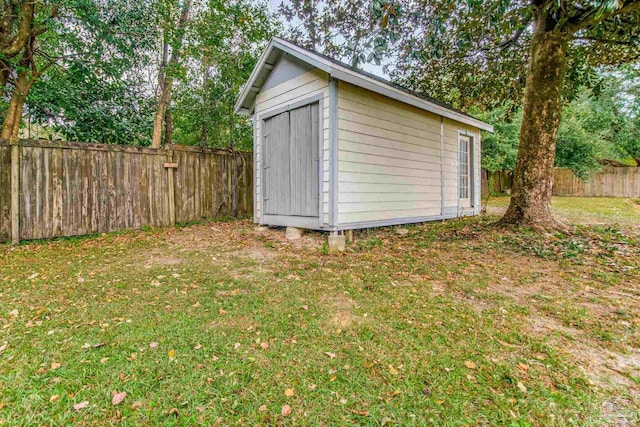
{"type": "Point", "coordinates": [18, 42]}
{"type": "Point", "coordinates": [590, 17]}
{"type": "Point", "coordinates": [607, 41]}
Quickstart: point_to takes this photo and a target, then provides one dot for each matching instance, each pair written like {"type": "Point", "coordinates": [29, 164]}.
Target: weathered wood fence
{"type": "Point", "coordinates": [54, 189]}
{"type": "Point", "coordinates": [611, 181]}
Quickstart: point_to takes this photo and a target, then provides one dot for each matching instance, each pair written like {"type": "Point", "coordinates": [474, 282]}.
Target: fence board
{"type": "Point", "coordinates": [69, 189]}
{"type": "Point", "coordinates": [611, 181]}
{"type": "Point", "coordinates": [5, 192]}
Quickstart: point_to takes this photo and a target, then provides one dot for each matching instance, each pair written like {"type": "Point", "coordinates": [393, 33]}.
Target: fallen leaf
{"type": "Point", "coordinates": [264, 345]}
{"type": "Point", "coordinates": [136, 405]}
{"type": "Point", "coordinates": [361, 413]}
{"type": "Point", "coordinates": [80, 280]}
{"type": "Point", "coordinates": [54, 398]}
{"type": "Point", "coordinates": [81, 405]}
{"type": "Point", "coordinates": [87, 345]}
{"type": "Point", "coordinates": [55, 366]}
{"type": "Point", "coordinates": [14, 313]}
{"type": "Point", "coordinates": [33, 276]}
{"type": "Point", "coordinates": [469, 364]}
{"type": "Point", "coordinates": [263, 408]}
{"type": "Point", "coordinates": [104, 360]}
{"type": "Point", "coordinates": [201, 409]}
{"type": "Point", "coordinates": [522, 387]}
{"type": "Point", "coordinates": [523, 367]}
{"type": "Point", "coordinates": [331, 355]}
{"type": "Point", "coordinates": [153, 345]}
{"type": "Point", "coordinates": [174, 411]}
{"type": "Point", "coordinates": [222, 311]}
{"type": "Point", "coordinates": [4, 346]}
{"type": "Point", "coordinates": [312, 386]}
{"type": "Point", "coordinates": [289, 392]}
{"type": "Point", "coordinates": [305, 307]}
{"type": "Point", "coordinates": [198, 346]}
{"type": "Point", "coordinates": [393, 370]}
{"type": "Point", "coordinates": [286, 410]}
{"type": "Point", "coordinates": [118, 398]}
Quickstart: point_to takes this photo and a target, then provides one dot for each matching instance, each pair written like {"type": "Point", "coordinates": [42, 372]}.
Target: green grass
{"type": "Point", "coordinates": [588, 210]}
{"type": "Point", "coordinates": [432, 328]}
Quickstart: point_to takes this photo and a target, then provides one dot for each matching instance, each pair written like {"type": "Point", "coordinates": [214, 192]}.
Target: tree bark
{"type": "Point", "coordinates": [533, 176]}
{"type": "Point", "coordinates": [11, 123]}
{"type": "Point", "coordinates": [168, 127]}
{"type": "Point", "coordinates": [166, 81]}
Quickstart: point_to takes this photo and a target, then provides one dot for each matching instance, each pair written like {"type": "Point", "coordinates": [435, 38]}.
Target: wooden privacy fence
{"type": "Point", "coordinates": [611, 181]}
{"type": "Point", "coordinates": [54, 189]}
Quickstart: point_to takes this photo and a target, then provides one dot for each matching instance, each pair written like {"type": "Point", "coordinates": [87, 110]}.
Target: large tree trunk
{"type": "Point", "coordinates": [13, 116]}
{"type": "Point", "coordinates": [533, 177]}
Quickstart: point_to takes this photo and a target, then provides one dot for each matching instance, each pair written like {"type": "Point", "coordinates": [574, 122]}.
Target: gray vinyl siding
{"type": "Point", "coordinates": [394, 161]}
{"type": "Point", "coordinates": [307, 85]}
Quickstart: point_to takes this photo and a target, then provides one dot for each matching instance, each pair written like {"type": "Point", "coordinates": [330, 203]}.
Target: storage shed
{"type": "Point", "coordinates": [338, 149]}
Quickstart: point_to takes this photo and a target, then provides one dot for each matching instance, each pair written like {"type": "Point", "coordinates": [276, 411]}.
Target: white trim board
{"type": "Point", "coordinates": [246, 100]}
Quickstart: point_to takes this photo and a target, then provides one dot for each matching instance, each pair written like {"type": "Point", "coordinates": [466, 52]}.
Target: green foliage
{"type": "Point", "coordinates": [598, 125]}
{"type": "Point", "coordinates": [500, 148]}
{"type": "Point", "coordinates": [95, 89]}
{"type": "Point", "coordinates": [224, 43]}
{"type": "Point", "coordinates": [103, 87]}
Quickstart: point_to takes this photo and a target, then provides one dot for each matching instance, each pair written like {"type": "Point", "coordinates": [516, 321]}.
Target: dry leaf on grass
{"type": "Point", "coordinates": [55, 366]}
{"type": "Point", "coordinates": [289, 392]}
{"type": "Point", "coordinates": [469, 364]}
{"type": "Point", "coordinates": [54, 398]}
{"type": "Point", "coordinates": [81, 405]}
{"type": "Point", "coordinates": [331, 355]}
{"type": "Point", "coordinates": [263, 408]}
{"type": "Point", "coordinates": [118, 398]}
{"type": "Point", "coordinates": [286, 410]}
{"type": "Point", "coordinates": [264, 345]}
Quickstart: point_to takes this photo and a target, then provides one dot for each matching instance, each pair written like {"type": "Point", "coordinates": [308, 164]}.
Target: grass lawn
{"type": "Point", "coordinates": [585, 210]}
{"type": "Point", "coordinates": [456, 323]}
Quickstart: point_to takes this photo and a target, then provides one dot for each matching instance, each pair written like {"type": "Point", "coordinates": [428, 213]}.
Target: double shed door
{"type": "Point", "coordinates": [292, 163]}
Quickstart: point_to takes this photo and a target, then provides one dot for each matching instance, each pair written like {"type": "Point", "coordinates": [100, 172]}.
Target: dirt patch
{"type": "Point", "coordinates": [602, 366]}
{"type": "Point", "coordinates": [341, 308]}
{"type": "Point", "coordinates": [163, 260]}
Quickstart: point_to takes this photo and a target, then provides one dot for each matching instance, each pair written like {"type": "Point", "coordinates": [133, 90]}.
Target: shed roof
{"type": "Point", "coordinates": [341, 71]}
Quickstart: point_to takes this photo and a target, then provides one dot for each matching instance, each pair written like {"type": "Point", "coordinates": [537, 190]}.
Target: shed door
{"type": "Point", "coordinates": [464, 171]}
{"type": "Point", "coordinates": [292, 166]}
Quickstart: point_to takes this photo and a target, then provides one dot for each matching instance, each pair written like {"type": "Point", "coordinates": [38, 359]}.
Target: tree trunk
{"type": "Point", "coordinates": [165, 81]}
{"type": "Point", "coordinates": [533, 176]}
{"type": "Point", "coordinates": [11, 124]}
{"type": "Point", "coordinates": [168, 127]}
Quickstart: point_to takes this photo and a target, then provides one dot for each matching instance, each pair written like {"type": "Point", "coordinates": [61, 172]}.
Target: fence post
{"type": "Point", "coordinates": [15, 191]}
{"type": "Point", "coordinates": [170, 166]}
